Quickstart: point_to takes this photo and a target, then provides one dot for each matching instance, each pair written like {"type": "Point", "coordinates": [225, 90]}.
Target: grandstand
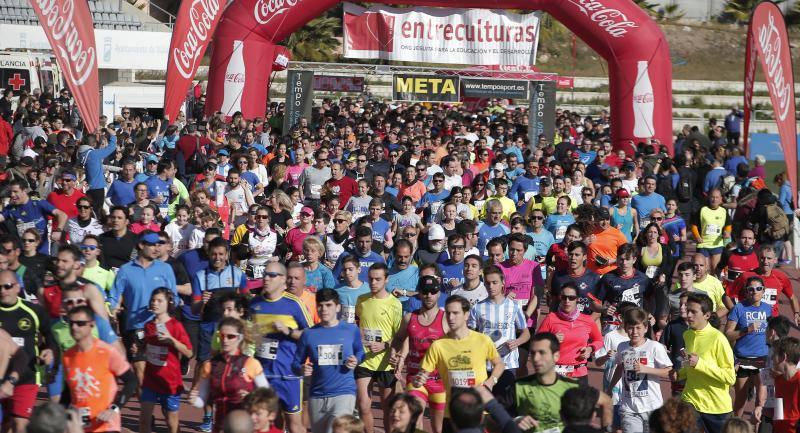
{"type": "Point", "coordinates": [106, 14]}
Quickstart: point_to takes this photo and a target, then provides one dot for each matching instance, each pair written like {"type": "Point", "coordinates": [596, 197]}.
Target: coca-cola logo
{"type": "Point", "coordinates": [265, 10]}
{"type": "Point", "coordinates": [282, 60]}
{"type": "Point", "coordinates": [202, 16]}
{"type": "Point", "coordinates": [65, 38]}
{"type": "Point", "coordinates": [236, 77]}
{"type": "Point", "coordinates": [770, 43]}
{"type": "Point", "coordinates": [644, 98]}
{"type": "Point", "coordinates": [611, 20]}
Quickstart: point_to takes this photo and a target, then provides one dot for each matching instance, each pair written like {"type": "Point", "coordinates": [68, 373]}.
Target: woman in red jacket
{"type": "Point", "coordinates": [578, 334]}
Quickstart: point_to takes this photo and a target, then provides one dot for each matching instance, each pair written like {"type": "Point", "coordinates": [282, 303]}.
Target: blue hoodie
{"type": "Point", "coordinates": [92, 160]}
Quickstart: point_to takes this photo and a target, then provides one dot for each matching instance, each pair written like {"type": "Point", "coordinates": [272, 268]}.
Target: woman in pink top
{"type": "Point", "coordinates": [295, 169]}
{"type": "Point", "coordinates": [296, 236]}
{"type": "Point", "coordinates": [521, 276]}
{"type": "Point", "coordinates": [578, 334]}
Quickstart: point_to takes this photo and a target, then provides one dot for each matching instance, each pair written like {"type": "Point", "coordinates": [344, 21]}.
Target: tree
{"type": "Point", "coordinates": [670, 13]}
{"type": "Point", "coordinates": [739, 11]}
{"type": "Point", "coordinates": [648, 7]}
{"type": "Point", "coordinates": [316, 41]}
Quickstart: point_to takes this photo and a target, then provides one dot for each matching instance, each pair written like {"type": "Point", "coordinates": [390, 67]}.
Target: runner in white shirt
{"type": "Point", "coordinates": [239, 196]}
{"type": "Point", "coordinates": [180, 230]}
{"type": "Point", "coordinates": [473, 288]}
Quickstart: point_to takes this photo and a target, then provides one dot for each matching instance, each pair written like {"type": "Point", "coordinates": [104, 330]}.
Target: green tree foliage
{"type": "Point", "coordinates": [316, 41]}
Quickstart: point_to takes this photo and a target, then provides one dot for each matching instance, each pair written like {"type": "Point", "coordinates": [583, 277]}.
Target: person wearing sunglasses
{"type": "Point", "coordinates": [66, 197]}
{"type": "Point", "coordinates": [92, 271]}
{"type": "Point", "coordinates": [84, 223]}
{"type": "Point", "coordinates": [577, 333]}
{"type": "Point", "coordinates": [747, 323]}
{"type": "Point", "coordinates": [623, 216]}
{"type": "Point", "coordinates": [775, 282]}
{"type": "Point", "coordinates": [29, 325]}
{"type": "Point", "coordinates": [92, 368]}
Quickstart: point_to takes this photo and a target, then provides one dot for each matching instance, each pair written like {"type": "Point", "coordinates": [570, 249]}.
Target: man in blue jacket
{"type": "Point", "coordinates": [91, 155]}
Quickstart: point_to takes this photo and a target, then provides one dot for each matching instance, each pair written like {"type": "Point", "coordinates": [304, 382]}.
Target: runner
{"type": "Point", "coordinates": [775, 282]}
{"type": "Point", "coordinates": [379, 315]}
{"type": "Point", "coordinates": [711, 228]}
{"type": "Point", "coordinates": [625, 284]}
{"type": "Point", "coordinates": [604, 242]}
{"type": "Point", "coordinates": [577, 274]}
{"type": "Point", "coordinates": [523, 278]}
{"type": "Point", "coordinates": [736, 261]}
{"type": "Point", "coordinates": [473, 289]}
{"type": "Point", "coordinates": [417, 332]}
{"type": "Point", "coordinates": [350, 290]}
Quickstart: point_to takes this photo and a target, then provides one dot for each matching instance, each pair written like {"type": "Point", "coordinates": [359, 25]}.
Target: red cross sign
{"type": "Point", "coordinates": [16, 82]}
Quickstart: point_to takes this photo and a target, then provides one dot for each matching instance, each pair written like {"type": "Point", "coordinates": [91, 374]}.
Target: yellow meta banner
{"type": "Point", "coordinates": [425, 88]}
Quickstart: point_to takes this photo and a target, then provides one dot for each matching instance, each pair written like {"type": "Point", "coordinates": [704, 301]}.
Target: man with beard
{"type": "Point", "coordinates": [117, 243]}
{"type": "Point", "coordinates": [584, 279]}
{"type": "Point", "coordinates": [363, 250]}
{"type": "Point", "coordinates": [403, 275]}
{"type": "Point", "coordinates": [736, 261]}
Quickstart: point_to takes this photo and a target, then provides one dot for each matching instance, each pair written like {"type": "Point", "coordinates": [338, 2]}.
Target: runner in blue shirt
{"type": "Point", "coordinates": [453, 268]}
{"type": "Point", "coordinates": [557, 223]}
{"type": "Point", "coordinates": [334, 349]}
{"type": "Point", "coordinates": [492, 226]}
{"type": "Point", "coordinates": [158, 187]}
{"type": "Point", "coordinates": [25, 213]}
{"type": "Point", "coordinates": [351, 289]}
{"type": "Point", "coordinates": [647, 201]}
{"type": "Point", "coordinates": [526, 185]}
{"type": "Point", "coordinates": [363, 251]}
{"type": "Point", "coordinates": [121, 190]}
{"type": "Point", "coordinates": [403, 275]}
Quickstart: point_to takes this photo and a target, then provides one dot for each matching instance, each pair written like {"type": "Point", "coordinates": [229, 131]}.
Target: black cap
{"type": "Point", "coordinates": [545, 181]}
{"type": "Point", "coordinates": [26, 161]}
{"type": "Point", "coordinates": [428, 284]}
{"type": "Point", "coordinates": [603, 214]}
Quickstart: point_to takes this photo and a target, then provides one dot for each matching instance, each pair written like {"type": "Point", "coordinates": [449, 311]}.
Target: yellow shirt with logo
{"type": "Point", "coordinates": [379, 320]}
{"type": "Point", "coordinates": [712, 225]}
{"type": "Point", "coordinates": [713, 287]}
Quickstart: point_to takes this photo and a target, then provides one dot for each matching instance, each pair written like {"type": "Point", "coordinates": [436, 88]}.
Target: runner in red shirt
{"type": "Point", "coordinates": [775, 282]}
{"type": "Point", "coordinates": [66, 198]}
{"type": "Point", "coordinates": [785, 356]}
{"type": "Point", "coordinates": [738, 260]}
{"type": "Point", "coordinates": [165, 339]}
{"type": "Point", "coordinates": [341, 185]}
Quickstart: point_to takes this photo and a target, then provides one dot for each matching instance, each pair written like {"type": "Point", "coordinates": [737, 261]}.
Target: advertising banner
{"type": "Point", "coordinates": [542, 118]}
{"type": "Point", "coordinates": [195, 25]}
{"type": "Point", "coordinates": [768, 37]}
{"type": "Point", "coordinates": [68, 26]}
{"type": "Point", "coordinates": [425, 88]}
{"type": "Point", "coordinates": [483, 88]}
{"type": "Point", "coordinates": [299, 98]}
{"type": "Point", "coordinates": [440, 35]}
{"type": "Point", "coordinates": [335, 83]}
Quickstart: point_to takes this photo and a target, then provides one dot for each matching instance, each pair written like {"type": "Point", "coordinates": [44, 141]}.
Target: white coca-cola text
{"type": "Point", "coordinates": [202, 16]}
{"type": "Point", "coordinates": [265, 10]}
{"type": "Point", "coordinates": [770, 43]}
{"type": "Point", "coordinates": [644, 98]}
{"type": "Point", "coordinates": [236, 77]}
{"type": "Point", "coordinates": [611, 20]}
{"type": "Point", "coordinates": [57, 18]}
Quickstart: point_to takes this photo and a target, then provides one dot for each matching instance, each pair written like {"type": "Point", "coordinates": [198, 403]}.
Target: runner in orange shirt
{"type": "Point", "coordinates": [603, 243]}
{"type": "Point", "coordinates": [91, 369]}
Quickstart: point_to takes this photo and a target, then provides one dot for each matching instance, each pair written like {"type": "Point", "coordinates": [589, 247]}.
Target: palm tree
{"type": "Point", "coordinates": [316, 41]}
{"type": "Point", "coordinates": [648, 7]}
{"type": "Point", "coordinates": [670, 13]}
{"type": "Point", "coordinates": [739, 11]}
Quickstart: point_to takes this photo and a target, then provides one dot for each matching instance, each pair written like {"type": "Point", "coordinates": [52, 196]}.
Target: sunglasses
{"type": "Point", "coordinates": [83, 206]}
{"type": "Point", "coordinates": [658, 219]}
{"type": "Point", "coordinates": [569, 297]}
{"type": "Point", "coordinates": [73, 301]}
{"type": "Point", "coordinates": [272, 274]}
{"type": "Point", "coordinates": [262, 217]}
{"type": "Point", "coordinates": [8, 286]}
{"type": "Point", "coordinates": [340, 221]}
{"type": "Point", "coordinates": [755, 289]}
{"type": "Point", "coordinates": [233, 336]}
{"type": "Point", "coordinates": [428, 292]}
{"type": "Point", "coordinates": [89, 247]}
{"type": "Point", "coordinates": [79, 323]}
{"type": "Point", "coordinates": [29, 241]}
{"type": "Point", "coordinates": [537, 217]}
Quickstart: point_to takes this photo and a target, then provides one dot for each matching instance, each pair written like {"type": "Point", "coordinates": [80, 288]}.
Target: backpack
{"type": "Point", "coordinates": [684, 189]}
{"type": "Point", "coordinates": [777, 225]}
{"type": "Point", "coordinates": [198, 159]}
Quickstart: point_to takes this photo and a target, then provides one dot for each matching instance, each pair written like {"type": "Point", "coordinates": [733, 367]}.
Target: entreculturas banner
{"type": "Point", "coordinates": [299, 98]}
{"type": "Point", "coordinates": [542, 118]}
{"type": "Point", "coordinates": [440, 35]}
{"type": "Point", "coordinates": [482, 88]}
{"type": "Point", "coordinates": [425, 88]}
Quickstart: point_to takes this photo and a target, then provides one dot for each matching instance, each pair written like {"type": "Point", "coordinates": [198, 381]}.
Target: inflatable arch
{"type": "Point", "coordinates": [622, 33]}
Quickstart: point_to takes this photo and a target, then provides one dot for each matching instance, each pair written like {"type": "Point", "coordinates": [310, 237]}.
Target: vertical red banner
{"type": "Point", "coordinates": [769, 37]}
{"type": "Point", "coordinates": [194, 27]}
{"type": "Point", "coordinates": [69, 28]}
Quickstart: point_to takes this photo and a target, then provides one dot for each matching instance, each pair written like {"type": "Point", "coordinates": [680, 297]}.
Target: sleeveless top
{"type": "Point", "coordinates": [420, 338]}
{"type": "Point", "coordinates": [226, 380]}
{"type": "Point", "coordinates": [651, 263]}
{"type": "Point", "coordinates": [623, 222]}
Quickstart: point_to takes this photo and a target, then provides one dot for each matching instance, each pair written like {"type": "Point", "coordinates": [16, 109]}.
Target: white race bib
{"type": "Point", "coordinates": [157, 355]}
{"type": "Point", "coordinates": [268, 349]}
{"type": "Point", "coordinates": [372, 335]}
{"type": "Point", "coordinates": [645, 223]}
{"type": "Point", "coordinates": [462, 378]}
{"type": "Point", "coordinates": [631, 295]}
{"type": "Point", "coordinates": [22, 226]}
{"type": "Point", "coordinates": [19, 341]}
{"type": "Point", "coordinates": [561, 232]}
{"type": "Point", "coordinates": [770, 296]}
{"type": "Point", "coordinates": [315, 189]}
{"type": "Point", "coordinates": [329, 354]}
{"type": "Point", "coordinates": [349, 313]}
{"type": "Point", "coordinates": [651, 271]}
{"type": "Point", "coordinates": [258, 271]}
{"type": "Point", "coordinates": [565, 370]}
{"type": "Point", "coordinates": [529, 195]}
{"type": "Point", "coordinates": [713, 230]}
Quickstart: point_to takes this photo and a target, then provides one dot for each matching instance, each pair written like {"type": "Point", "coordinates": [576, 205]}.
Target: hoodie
{"type": "Point", "coordinates": [92, 160]}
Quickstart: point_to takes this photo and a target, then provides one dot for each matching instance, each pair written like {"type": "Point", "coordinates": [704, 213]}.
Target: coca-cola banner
{"type": "Point", "coordinates": [439, 35]}
{"type": "Point", "coordinates": [236, 82]}
{"type": "Point", "coordinates": [425, 88]}
{"type": "Point", "coordinates": [195, 25]}
{"type": "Point", "coordinates": [542, 117]}
{"type": "Point", "coordinates": [299, 98]}
{"type": "Point", "coordinates": [69, 28]}
{"type": "Point", "coordinates": [767, 34]}
{"type": "Point", "coordinates": [618, 30]}
{"type": "Point", "coordinates": [335, 83]}
{"type": "Point", "coordinates": [483, 88]}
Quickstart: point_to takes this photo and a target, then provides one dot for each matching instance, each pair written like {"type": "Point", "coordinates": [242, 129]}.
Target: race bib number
{"type": "Point", "coordinates": [349, 313]}
{"type": "Point", "coordinates": [713, 230]}
{"type": "Point", "coordinates": [529, 195]}
{"type": "Point", "coordinates": [163, 211]}
{"type": "Point", "coordinates": [315, 189]}
{"type": "Point", "coordinates": [19, 341]}
{"type": "Point", "coordinates": [565, 370]}
{"type": "Point", "coordinates": [645, 223]}
{"type": "Point", "coordinates": [462, 379]}
{"type": "Point", "coordinates": [86, 415]}
{"type": "Point", "coordinates": [561, 232]}
{"type": "Point", "coordinates": [631, 295]}
{"type": "Point", "coordinates": [770, 296]}
{"type": "Point", "coordinates": [22, 226]}
{"type": "Point", "coordinates": [157, 355]}
{"type": "Point", "coordinates": [258, 271]}
{"type": "Point", "coordinates": [268, 349]}
{"type": "Point", "coordinates": [329, 354]}
{"type": "Point", "coordinates": [372, 335]}
{"type": "Point", "coordinates": [651, 271]}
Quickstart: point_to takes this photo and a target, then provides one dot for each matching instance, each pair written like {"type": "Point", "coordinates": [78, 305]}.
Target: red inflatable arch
{"type": "Point", "coordinates": [631, 42]}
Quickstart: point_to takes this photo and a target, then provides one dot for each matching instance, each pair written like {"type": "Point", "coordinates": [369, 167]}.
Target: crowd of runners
{"type": "Point", "coordinates": [425, 257]}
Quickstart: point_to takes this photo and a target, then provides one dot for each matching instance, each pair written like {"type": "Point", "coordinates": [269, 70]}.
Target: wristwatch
{"type": "Point", "coordinates": [114, 407]}
{"type": "Point", "coordinates": [12, 380]}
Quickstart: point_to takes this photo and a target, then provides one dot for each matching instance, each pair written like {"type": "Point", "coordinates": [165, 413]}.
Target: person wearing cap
{"type": "Point", "coordinates": [150, 169]}
{"type": "Point", "coordinates": [603, 242]}
{"type": "Point", "coordinates": [299, 233]}
{"type": "Point", "coordinates": [431, 251]}
{"type": "Point", "coordinates": [623, 216]}
{"type": "Point", "coordinates": [647, 200]}
{"type": "Point", "coordinates": [135, 283]}
{"type": "Point", "coordinates": [545, 200]}
{"type": "Point", "coordinates": [25, 213]}
{"type": "Point", "coordinates": [223, 162]}
{"type": "Point", "coordinates": [66, 198]}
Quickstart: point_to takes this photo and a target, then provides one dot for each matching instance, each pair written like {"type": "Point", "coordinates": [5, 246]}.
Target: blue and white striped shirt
{"type": "Point", "coordinates": [500, 322]}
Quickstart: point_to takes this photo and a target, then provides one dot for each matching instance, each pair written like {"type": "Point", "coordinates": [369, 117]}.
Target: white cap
{"type": "Point", "coordinates": [499, 166]}
{"type": "Point", "coordinates": [436, 233]}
